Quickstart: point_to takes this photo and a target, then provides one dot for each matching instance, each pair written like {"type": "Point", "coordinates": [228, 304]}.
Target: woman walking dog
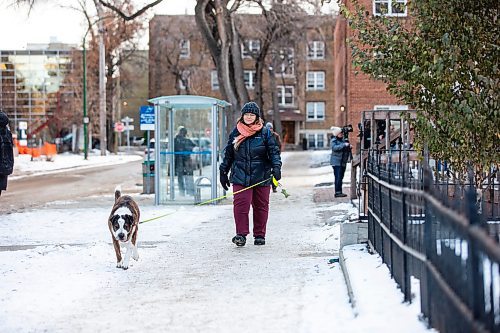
{"type": "Point", "coordinates": [252, 155]}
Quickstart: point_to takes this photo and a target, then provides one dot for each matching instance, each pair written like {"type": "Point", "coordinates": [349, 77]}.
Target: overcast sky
{"type": "Point", "coordinates": [48, 19]}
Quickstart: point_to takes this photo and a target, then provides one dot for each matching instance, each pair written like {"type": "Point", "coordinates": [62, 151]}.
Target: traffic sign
{"type": "Point", "coordinates": [119, 127]}
{"type": "Point", "coordinates": [147, 115]}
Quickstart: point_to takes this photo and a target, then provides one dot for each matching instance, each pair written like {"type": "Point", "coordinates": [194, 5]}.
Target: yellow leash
{"type": "Point", "coordinates": [229, 194]}
{"type": "Point", "coordinates": [158, 217]}
{"type": "Point", "coordinates": [220, 198]}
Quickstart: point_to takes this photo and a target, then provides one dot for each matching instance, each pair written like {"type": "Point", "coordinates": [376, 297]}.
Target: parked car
{"type": "Point", "coordinates": [137, 140]}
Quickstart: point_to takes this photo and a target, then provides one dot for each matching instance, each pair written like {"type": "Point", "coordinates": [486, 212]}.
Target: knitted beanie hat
{"type": "Point", "coordinates": [336, 130]}
{"type": "Point", "coordinates": [251, 107]}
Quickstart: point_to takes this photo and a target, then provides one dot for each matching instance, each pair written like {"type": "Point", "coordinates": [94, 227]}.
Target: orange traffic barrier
{"type": "Point", "coordinates": [36, 152]}
{"type": "Point", "coordinates": [49, 150]}
{"type": "Point", "coordinates": [24, 150]}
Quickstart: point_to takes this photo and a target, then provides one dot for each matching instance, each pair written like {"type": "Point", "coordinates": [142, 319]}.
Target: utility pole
{"type": "Point", "coordinates": [85, 118]}
{"type": "Point", "coordinates": [102, 81]}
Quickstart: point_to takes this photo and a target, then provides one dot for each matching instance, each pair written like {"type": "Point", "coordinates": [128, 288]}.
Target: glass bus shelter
{"type": "Point", "coordinates": [190, 134]}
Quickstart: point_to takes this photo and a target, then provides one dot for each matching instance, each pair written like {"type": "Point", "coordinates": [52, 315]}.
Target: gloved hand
{"type": "Point", "coordinates": [224, 180]}
{"type": "Point", "coordinates": [277, 173]}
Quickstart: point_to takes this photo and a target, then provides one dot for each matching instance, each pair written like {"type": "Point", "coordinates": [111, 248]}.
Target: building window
{"type": "Point", "coordinates": [285, 95]}
{"type": "Point", "coordinates": [315, 111]}
{"type": "Point", "coordinates": [250, 47]}
{"type": "Point", "coordinates": [316, 140]}
{"type": "Point", "coordinates": [316, 50]}
{"type": "Point", "coordinates": [249, 77]}
{"type": "Point", "coordinates": [184, 50]}
{"type": "Point", "coordinates": [389, 7]}
{"type": "Point", "coordinates": [214, 80]}
{"type": "Point", "coordinates": [320, 140]}
{"type": "Point", "coordinates": [287, 62]}
{"type": "Point", "coordinates": [315, 80]}
{"type": "Point", "coordinates": [311, 141]}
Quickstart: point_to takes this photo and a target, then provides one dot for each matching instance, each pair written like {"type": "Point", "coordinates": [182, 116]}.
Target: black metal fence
{"type": "Point", "coordinates": [428, 228]}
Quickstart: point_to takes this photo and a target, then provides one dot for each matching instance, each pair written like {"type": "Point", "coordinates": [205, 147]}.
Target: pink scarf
{"type": "Point", "coordinates": [246, 131]}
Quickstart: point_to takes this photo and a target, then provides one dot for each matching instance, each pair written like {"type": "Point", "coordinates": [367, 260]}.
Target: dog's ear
{"type": "Point", "coordinates": [114, 218]}
{"type": "Point", "coordinates": [118, 194]}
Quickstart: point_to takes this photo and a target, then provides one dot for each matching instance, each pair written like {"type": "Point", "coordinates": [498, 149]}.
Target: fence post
{"type": "Point", "coordinates": [388, 169]}
{"type": "Point", "coordinates": [428, 246]}
{"type": "Point", "coordinates": [404, 213]}
{"type": "Point", "coordinates": [379, 187]}
{"type": "Point", "coordinates": [476, 286]}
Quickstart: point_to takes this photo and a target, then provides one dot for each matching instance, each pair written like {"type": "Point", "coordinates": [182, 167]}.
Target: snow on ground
{"type": "Point", "coordinates": [58, 270]}
{"type": "Point", "coordinates": [376, 293]}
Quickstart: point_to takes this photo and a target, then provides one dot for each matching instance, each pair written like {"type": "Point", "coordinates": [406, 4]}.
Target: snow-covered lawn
{"type": "Point", "coordinates": [58, 271]}
{"type": "Point", "coordinates": [24, 166]}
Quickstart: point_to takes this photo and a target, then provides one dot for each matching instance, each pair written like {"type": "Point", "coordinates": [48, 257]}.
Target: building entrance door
{"type": "Point", "coordinates": [288, 131]}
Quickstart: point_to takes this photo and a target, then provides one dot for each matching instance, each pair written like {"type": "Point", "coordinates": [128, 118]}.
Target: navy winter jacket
{"type": "Point", "coordinates": [254, 160]}
{"type": "Point", "coordinates": [340, 153]}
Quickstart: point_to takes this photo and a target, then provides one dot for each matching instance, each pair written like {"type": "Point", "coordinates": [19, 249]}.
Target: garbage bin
{"type": "Point", "coordinates": [304, 143]}
{"type": "Point", "coordinates": [148, 177]}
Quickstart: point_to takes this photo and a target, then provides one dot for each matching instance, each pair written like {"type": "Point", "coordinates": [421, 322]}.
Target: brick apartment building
{"type": "Point", "coordinates": [180, 63]}
{"type": "Point", "coordinates": [357, 93]}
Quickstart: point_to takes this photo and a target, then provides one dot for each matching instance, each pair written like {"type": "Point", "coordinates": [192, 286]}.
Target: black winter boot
{"type": "Point", "coordinates": [259, 240]}
{"type": "Point", "coordinates": [239, 240]}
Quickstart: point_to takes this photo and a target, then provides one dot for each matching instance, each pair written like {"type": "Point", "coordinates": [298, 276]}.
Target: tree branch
{"type": "Point", "coordinates": [129, 17]}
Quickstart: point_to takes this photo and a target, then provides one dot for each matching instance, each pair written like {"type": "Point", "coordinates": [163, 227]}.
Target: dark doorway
{"type": "Point", "coordinates": [288, 131]}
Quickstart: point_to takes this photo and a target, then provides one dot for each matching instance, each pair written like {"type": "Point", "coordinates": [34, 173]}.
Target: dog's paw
{"type": "Point", "coordinates": [124, 268]}
{"type": "Point", "coordinates": [119, 264]}
{"type": "Point", "coordinates": [135, 255]}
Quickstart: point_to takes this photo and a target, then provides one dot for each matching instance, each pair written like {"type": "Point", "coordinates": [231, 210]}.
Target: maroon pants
{"type": "Point", "coordinates": [258, 197]}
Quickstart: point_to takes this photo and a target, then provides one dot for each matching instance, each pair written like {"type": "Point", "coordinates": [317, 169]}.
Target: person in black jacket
{"type": "Point", "coordinates": [6, 151]}
{"type": "Point", "coordinates": [183, 164]}
{"type": "Point", "coordinates": [253, 156]}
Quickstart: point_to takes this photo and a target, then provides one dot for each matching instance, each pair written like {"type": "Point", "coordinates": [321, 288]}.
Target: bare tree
{"type": "Point", "coordinates": [216, 23]}
{"type": "Point", "coordinates": [126, 14]}
{"type": "Point", "coordinates": [174, 56]}
{"type": "Point", "coordinates": [120, 41]}
{"type": "Point", "coordinates": [279, 29]}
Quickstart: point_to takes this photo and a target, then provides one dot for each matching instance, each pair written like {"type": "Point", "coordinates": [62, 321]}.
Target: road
{"type": "Point", "coordinates": [71, 185]}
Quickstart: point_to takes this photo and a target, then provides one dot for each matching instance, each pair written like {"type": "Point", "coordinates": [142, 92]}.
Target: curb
{"type": "Point", "coordinates": [350, 292]}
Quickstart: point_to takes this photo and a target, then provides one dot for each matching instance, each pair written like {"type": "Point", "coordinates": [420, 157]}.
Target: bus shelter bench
{"type": "Point", "coordinates": [199, 183]}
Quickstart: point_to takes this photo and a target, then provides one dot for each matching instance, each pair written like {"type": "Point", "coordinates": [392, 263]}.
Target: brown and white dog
{"type": "Point", "coordinates": [123, 223]}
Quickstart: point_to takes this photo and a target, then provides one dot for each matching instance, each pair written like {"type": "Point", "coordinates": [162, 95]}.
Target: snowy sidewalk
{"type": "Point", "coordinates": [190, 277]}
